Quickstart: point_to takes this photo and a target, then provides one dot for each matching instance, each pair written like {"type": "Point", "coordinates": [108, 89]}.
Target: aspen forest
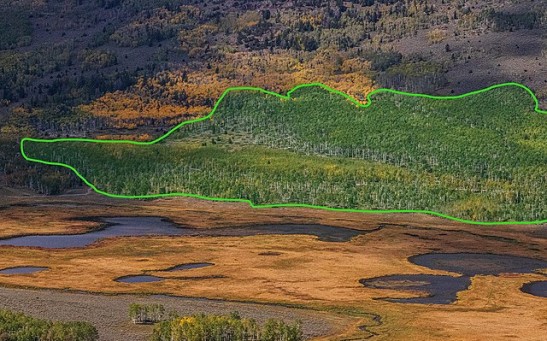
{"type": "Point", "coordinates": [481, 157]}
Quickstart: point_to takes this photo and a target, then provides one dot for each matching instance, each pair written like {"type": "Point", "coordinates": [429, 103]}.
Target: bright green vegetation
{"type": "Point", "coordinates": [225, 327]}
{"type": "Point", "coordinates": [146, 313]}
{"type": "Point", "coordinates": [19, 327]}
{"type": "Point", "coordinates": [482, 157]}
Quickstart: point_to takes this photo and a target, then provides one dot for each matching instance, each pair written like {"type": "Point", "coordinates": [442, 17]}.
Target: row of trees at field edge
{"type": "Point", "coordinates": [146, 313]}
{"type": "Point", "coordinates": [200, 327]}
{"type": "Point", "coordinates": [231, 327]}
{"type": "Point", "coordinates": [20, 327]}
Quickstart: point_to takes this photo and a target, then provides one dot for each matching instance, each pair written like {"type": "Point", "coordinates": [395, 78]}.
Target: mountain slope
{"type": "Point", "coordinates": [480, 157]}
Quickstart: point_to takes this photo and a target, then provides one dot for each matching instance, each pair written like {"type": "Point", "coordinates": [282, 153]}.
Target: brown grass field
{"type": "Point", "coordinates": [307, 272]}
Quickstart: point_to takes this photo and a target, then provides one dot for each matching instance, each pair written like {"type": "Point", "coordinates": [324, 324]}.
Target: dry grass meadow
{"type": "Point", "coordinates": [297, 270]}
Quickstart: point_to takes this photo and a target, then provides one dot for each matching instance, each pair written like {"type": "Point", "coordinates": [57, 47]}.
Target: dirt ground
{"type": "Point", "coordinates": [481, 60]}
{"type": "Point", "coordinates": [110, 313]}
{"type": "Point", "coordinates": [289, 270]}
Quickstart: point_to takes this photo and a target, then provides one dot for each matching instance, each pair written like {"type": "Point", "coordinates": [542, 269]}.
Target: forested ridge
{"type": "Point", "coordinates": [130, 69]}
{"type": "Point", "coordinates": [481, 157]}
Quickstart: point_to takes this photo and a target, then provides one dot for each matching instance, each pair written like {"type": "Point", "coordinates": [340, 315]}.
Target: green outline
{"type": "Point", "coordinates": [288, 96]}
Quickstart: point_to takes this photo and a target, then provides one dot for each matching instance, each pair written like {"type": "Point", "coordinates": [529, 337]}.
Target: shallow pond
{"type": "Point", "coordinates": [147, 226]}
{"type": "Point", "coordinates": [538, 288]}
{"type": "Point", "coordinates": [22, 270]}
{"type": "Point", "coordinates": [139, 279]}
{"type": "Point", "coordinates": [471, 264]}
{"type": "Point", "coordinates": [188, 266]}
{"type": "Point", "coordinates": [444, 289]}
{"type": "Point", "coordinates": [439, 289]}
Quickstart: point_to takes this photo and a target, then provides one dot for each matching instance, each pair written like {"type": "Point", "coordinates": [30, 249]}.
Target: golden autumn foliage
{"type": "Point", "coordinates": [127, 105]}
{"type": "Point", "coordinates": [132, 137]}
{"type": "Point", "coordinates": [436, 36]}
{"type": "Point", "coordinates": [174, 95]}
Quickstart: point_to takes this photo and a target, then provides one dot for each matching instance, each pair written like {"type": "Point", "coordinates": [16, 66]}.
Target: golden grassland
{"type": "Point", "coordinates": [307, 272]}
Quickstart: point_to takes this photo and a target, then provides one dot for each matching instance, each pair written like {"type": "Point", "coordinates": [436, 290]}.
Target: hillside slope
{"type": "Point", "coordinates": [478, 157]}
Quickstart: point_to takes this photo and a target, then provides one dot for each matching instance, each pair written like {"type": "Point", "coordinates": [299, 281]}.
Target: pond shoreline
{"type": "Point", "coordinates": [151, 226]}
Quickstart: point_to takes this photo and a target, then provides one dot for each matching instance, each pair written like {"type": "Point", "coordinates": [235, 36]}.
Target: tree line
{"type": "Point", "coordinates": [16, 326]}
{"type": "Point", "coordinates": [230, 327]}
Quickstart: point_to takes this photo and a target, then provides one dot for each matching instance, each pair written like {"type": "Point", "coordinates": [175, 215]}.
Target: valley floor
{"type": "Point", "coordinates": [283, 270]}
{"type": "Point", "coordinates": [109, 312]}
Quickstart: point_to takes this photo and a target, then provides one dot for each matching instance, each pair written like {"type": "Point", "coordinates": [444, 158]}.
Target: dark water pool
{"type": "Point", "coordinates": [471, 264]}
{"type": "Point", "coordinates": [146, 226]}
{"type": "Point", "coordinates": [322, 232]}
{"type": "Point", "coordinates": [188, 266]}
{"type": "Point", "coordinates": [139, 279]}
{"type": "Point", "coordinates": [538, 288]}
{"type": "Point", "coordinates": [22, 270]}
{"type": "Point", "coordinates": [126, 226]}
{"type": "Point", "coordinates": [270, 253]}
{"type": "Point", "coordinates": [437, 289]}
